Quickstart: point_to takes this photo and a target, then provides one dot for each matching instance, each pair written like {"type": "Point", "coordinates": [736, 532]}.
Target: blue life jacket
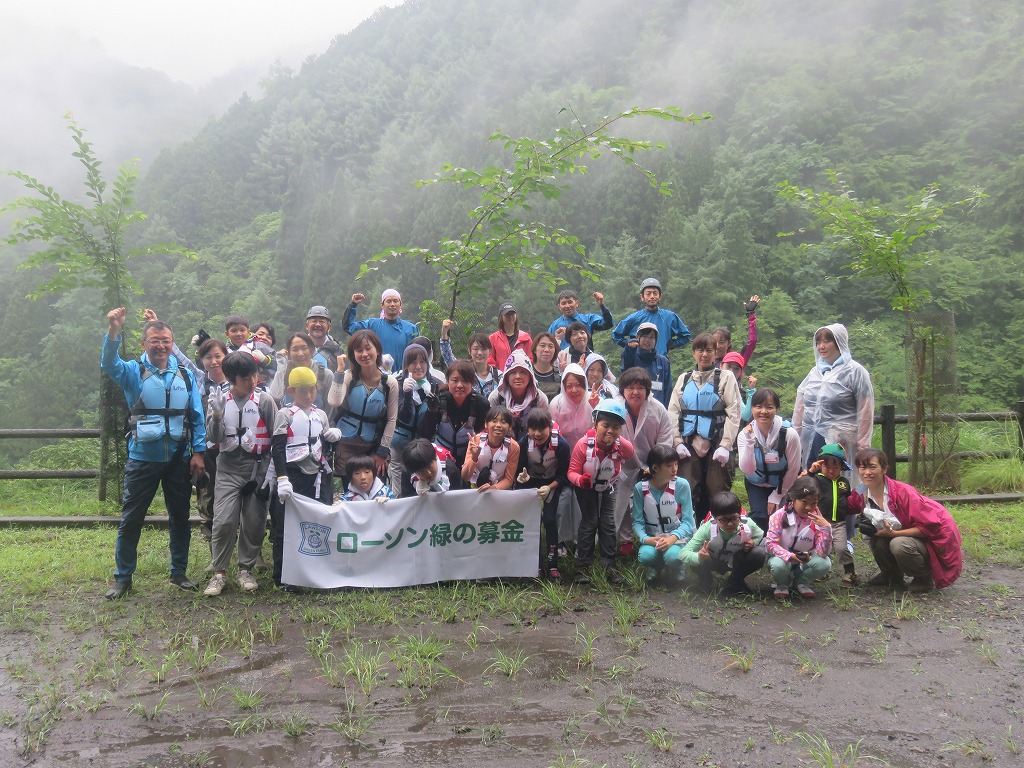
{"type": "Point", "coordinates": [702, 410]}
{"type": "Point", "coordinates": [161, 410]}
{"type": "Point", "coordinates": [770, 474]}
{"type": "Point", "coordinates": [364, 413]}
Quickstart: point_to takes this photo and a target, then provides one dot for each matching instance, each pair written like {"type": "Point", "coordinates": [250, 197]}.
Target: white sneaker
{"type": "Point", "coordinates": [782, 593]}
{"type": "Point", "coordinates": [246, 581]}
{"type": "Point", "coordinates": [805, 591]}
{"type": "Point", "coordinates": [216, 585]}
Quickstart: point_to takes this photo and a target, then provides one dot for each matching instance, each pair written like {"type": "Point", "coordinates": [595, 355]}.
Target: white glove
{"type": "Point", "coordinates": [523, 477]}
{"type": "Point", "coordinates": [258, 356]}
{"type": "Point", "coordinates": [422, 487]}
{"type": "Point", "coordinates": [682, 451]}
{"type": "Point", "coordinates": [381, 499]}
{"type": "Point", "coordinates": [282, 358]}
{"type": "Point", "coordinates": [284, 488]}
{"type": "Point", "coordinates": [721, 455]}
{"type": "Point", "coordinates": [409, 384]}
{"type": "Point", "coordinates": [331, 435]}
{"type": "Point", "coordinates": [543, 492]}
{"type": "Point", "coordinates": [195, 340]}
{"type": "Point", "coordinates": [426, 387]}
{"type": "Point", "coordinates": [216, 401]}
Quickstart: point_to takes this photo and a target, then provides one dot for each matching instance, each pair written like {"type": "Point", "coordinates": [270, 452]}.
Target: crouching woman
{"type": "Point", "coordinates": [926, 546]}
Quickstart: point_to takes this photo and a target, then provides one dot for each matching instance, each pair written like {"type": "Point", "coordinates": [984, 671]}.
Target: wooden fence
{"type": "Point", "coordinates": [53, 474]}
{"type": "Point", "coordinates": [887, 420]}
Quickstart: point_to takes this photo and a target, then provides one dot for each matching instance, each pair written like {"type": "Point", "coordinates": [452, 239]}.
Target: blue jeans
{"type": "Point", "coordinates": [141, 479]}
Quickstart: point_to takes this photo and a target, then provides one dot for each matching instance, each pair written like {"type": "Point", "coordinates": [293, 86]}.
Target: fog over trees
{"type": "Point", "coordinates": [289, 190]}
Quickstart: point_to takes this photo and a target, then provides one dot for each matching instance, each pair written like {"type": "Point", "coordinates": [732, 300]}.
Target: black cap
{"type": "Point", "coordinates": [506, 309]}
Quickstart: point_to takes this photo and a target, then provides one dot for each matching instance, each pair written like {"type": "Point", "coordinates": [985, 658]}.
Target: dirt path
{"type": "Point", "coordinates": [414, 677]}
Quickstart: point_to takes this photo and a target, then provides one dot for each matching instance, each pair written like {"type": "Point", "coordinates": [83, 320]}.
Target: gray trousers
{"type": "Point", "coordinates": [901, 555]}
{"type": "Point", "coordinates": [235, 514]}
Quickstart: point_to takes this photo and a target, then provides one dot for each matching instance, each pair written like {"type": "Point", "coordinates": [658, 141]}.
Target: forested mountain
{"type": "Point", "coordinates": [284, 197]}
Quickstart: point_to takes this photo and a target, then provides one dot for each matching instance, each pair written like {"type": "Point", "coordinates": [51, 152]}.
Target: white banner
{"type": "Point", "coordinates": [436, 537]}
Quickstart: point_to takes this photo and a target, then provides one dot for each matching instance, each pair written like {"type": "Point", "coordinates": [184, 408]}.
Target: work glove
{"type": "Point", "coordinates": [381, 499]}
{"type": "Point", "coordinates": [543, 492]}
{"type": "Point", "coordinates": [284, 488]}
{"type": "Point", "coordinates": [282, 358]}
{"type": "Point", "coordinates": [331, 435]}
{"type": "Point", "coordinates": [682, 451]}
{"type": "Point", "coordinates": [409, 384]}
{"type": "Point", "coordinates": [751, 307]}
{"type": "Point", "coordinates": [216, 401]}
{"type": "Point", "coordinates": [259, 357]}
{"type": "Point", "coordinates": [426, 387]}
{"type": "Point", "coordinates": [199, 338]}
{"type": "Point", "coordinates": [586, 481]}
{"type": "Point", "coordinates": [721, 455]}
{"type": "Point", "coordinates": [523, 477]}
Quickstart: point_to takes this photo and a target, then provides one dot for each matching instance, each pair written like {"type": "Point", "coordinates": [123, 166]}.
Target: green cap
{"type": "Point", "coordinates": [834, 450]}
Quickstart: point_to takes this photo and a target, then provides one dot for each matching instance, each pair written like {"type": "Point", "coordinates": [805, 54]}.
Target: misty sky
{"type": "Point", "coordinates": [196, 40]}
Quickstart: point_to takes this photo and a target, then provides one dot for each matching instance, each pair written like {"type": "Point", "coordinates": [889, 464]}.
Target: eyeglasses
{"type": "Point", "coordinates": [160, 342]}
{"type": "Point", "coordinates": [728, 519]}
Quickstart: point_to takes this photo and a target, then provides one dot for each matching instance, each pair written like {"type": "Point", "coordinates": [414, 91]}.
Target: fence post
{"type": "Point", "coordinates": [103, 469]}
{"type": "Point", "coordinates": [1020, 424]}
{"type": "Point", "coordinates": [889, 437]}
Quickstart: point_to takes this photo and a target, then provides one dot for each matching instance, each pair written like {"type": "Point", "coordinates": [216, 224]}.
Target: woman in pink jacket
{"type": "Point", "coordinates": [925, 546]}
{"type": "Point", "coordinates": [508, 338]}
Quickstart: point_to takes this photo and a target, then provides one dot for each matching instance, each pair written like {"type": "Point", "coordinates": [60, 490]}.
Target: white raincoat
{"type": "Point", "coordinates": [836, 402]}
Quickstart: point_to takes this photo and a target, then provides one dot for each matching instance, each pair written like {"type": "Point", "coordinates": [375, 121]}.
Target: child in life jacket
{"type": "Point", "coordinates": [595, 469]}
{"type": "Point", "coordinates": [299, 448]}
{"type": "Point", "coordinates": [544, 465]}
{"type": "Point", "coordinates": [834, 490]}
{"type": "Point", "coordinates": [240, 339]}
{"type": "Point", "coordinates": [798, 542]}
{"type": "Point", "coordinates": [493, 455]}
{"type": "Point", "coordinates": [363, 484]}
{"type": "Point", "coordinates": [574, 416]}
{"type": "Point", "coordinates": [238, 421]}
{"type": "Point", "coordinates": [426, 464]}
{"type": "Point", "coordinates": [662, 516]}
{"type": "Point", "coordinates": [728, 543]}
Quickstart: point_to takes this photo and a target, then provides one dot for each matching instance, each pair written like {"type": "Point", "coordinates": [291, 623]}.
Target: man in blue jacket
{"type": "Point", "coordinates": [569, 303]}
{"type": "Point", "coordinates": [672, 331]}
{"type": "Point", "coordinates": [395, 334]}
{"type": "Point", "coordinates": [166, 445]}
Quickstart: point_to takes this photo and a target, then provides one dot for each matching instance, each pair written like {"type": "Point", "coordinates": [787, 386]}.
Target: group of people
{"type": "Point", "coordinates": [637, 462]}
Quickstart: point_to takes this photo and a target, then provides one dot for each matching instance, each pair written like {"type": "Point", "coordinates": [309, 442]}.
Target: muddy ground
{"type": "Point", "coordinates": [170, 679]}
